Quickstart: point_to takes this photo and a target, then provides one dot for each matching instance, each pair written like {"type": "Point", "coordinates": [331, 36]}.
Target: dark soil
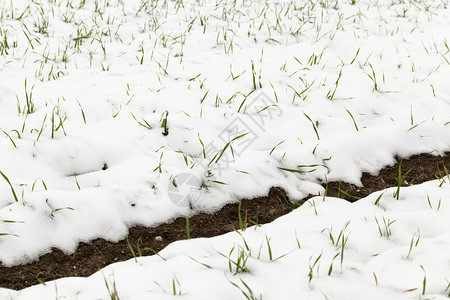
{"type": "Point", "coordinates": [423, 168]}
{"type": "Point", "coordinates": [99, 253]}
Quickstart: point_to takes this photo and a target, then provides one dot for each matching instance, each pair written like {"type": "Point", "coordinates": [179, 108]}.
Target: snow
{"type": "Point", "coordinates": [374, 265]}
{"type": "Point", "coordinates": [341, 89]}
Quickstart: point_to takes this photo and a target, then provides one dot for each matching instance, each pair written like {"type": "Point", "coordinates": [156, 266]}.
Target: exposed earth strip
{"type": "Point", "coordinates": [90, 257]}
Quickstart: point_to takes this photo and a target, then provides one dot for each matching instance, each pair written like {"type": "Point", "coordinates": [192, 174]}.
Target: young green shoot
{"type": "Point", "coordinates": [188, 230]}
{"type": "Point", "coordinates": [330, 269]}
{"type": "Point", "coordinates": [353, 119]}
{"type": "Point", "coordinates": [297, 240]}
{"type": "Point", "coordinates": [273, 149]}
{"type": "Point", "coordinates": [82, 112]}
{"type": "Point", "coordinates": [131, 249]}
{"type": "Point", "coordinates": [10, 185]}
{"type": "Point", "coordinates": [42, 181]}
{"type": "Point", "coordinates": [10, 138]}
{"type": "Point", "coordinates": [424, 282]}
{"type": "Point", "coordinates": [377, 201]}
{"type": "Point", "coordinates": [332, 92]}
{"type": "Point", "coordinates": [313, 125]}
{"type": "Point", "coordinates": [312, 266]}
{"type": "Point", "coordinates": [242, 223]}
{"type": "Point", "coordinates": [142, 123]}
{"type": "Point", "coordinates": [218, 155]}
{"type": "Point", "coordinates": [347, 194]}
{"type": "Point", "coordinates": [164, 123]}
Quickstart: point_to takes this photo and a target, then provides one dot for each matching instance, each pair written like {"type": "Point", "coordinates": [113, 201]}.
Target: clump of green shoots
{"type": "Point", "coordinates": [400, 180]}
{"type": "Point", "coordinates": [142, 51]}
{"type": "Point", "coordinates": [441, 177]}
{"type": "Point", "coordinates": [176, 287]}
{"type": "Point", "coordinates": [142, 122]}
{"type": "Point", "coordinates": [431, 205]}
{"type": "Point", "coordinates": [112, 291]}
{"type": "Point", "coordinates": [312, 266]}
{"type": "Point", "coordinates": [4, 44]}
{"type": "Point", "coordinates": [248, 293]}
{"type": "Point", "coordinates": [256, 78]}
{"type": "Point", "coordinates": [340, 241]}
{"type": "Point", "coordinates": [29, 104]}
{"type": "Point", "coordinates": [373, 77]}
{"type": "Point", "coordinates": [385, 228]}
{"type": "Point", "coordinates": [239, 265]}
{"type": "Point", "coordinates": [56, 112]}
{"type": "Point", "coordinates": [219, 154]}
{"type": "Point", "coordinates": [414, 243]}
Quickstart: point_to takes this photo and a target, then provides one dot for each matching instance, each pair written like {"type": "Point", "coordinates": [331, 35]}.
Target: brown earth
{"type": "Point", "coordinates": [90, 257]}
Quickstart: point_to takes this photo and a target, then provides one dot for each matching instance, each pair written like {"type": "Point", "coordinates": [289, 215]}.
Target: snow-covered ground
{"type": "Point", "coordinates": [116, 113]}
{"type": "Point", "coordinates": [395, 249]}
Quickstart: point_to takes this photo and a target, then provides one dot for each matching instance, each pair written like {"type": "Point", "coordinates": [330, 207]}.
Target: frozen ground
{"type": "Point", "coordinates": [117, 113]}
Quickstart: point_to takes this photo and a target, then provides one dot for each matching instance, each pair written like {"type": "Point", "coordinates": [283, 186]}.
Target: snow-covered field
{"type": "Point", "coordinates": [398, 249]}
{"type": "Point", "coordinates": [117, 113]}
